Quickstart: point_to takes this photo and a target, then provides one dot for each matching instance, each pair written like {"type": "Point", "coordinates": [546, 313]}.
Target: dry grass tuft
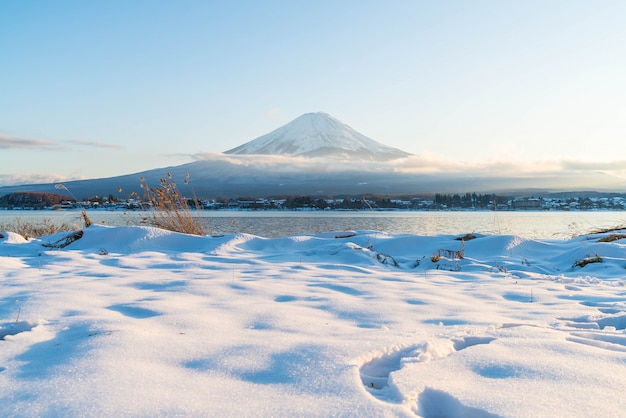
{"type": "Point", "coordinates": [170, 210]}
{"type": "Point", "coordinates": [617, 230]}
{"type": "Point", "coordinates": [466, 237]}
{"type": "Point", "coordinates": [588, 260]}
{"type": "Point", "coordinates": [36, 229]}
{"type": "Point", "coordinates": [612, 237]}
{"type": "Point", "coordinates": [605, 230]}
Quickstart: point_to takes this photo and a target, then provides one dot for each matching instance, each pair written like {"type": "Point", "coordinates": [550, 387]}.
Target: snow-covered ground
{"type": "Point", "coordinates": [137, 321]}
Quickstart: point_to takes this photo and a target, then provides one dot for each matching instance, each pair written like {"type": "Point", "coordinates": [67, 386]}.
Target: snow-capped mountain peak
{"type": "Point", "coordinates": [319, 135]}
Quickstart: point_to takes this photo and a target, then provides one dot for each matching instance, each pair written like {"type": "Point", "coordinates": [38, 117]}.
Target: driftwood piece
{"type": "Point", "coordinates": [346, 234]}
{"type": "Point", "coordinates": [65, 241]}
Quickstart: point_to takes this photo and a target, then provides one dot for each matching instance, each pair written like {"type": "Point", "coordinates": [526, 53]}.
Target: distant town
{"type": "Point", "coordinates": [566, 201]}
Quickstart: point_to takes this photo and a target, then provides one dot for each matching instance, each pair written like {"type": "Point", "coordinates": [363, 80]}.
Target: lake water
{"type": "Point", "coordinates": [558, 225]}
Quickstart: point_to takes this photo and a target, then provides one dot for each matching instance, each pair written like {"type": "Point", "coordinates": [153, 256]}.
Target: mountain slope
{"type": "Point", "coordinates": [262, 176]}
{"type": "Point", "coordinates": [319, 135]}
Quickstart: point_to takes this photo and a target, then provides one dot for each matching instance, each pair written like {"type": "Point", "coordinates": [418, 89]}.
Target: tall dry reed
{"type": "Point", "coordinates": [170, 210]}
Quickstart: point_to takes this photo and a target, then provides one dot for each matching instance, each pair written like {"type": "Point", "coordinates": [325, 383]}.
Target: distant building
{"type": "Point", "coordinates": [527, 203]}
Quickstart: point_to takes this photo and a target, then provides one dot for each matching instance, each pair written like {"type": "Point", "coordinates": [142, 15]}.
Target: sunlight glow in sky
{"type": "Point", "coordinates": [99, 89]}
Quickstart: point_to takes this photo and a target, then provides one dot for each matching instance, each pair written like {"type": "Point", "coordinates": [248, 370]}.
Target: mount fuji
{"type": "Point", "coordinates": [319, 135]}
{"type": "Point", "coordinates": [316, 154]}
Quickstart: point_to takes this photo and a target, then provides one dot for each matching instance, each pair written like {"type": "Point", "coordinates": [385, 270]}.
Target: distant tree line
{"type": "Point", "coordinates": [41, 200]}
{"type": "Point", "coordinates": [32, 200]}
{"type": "Point", "coordinates": [298, 202]}
{"type": "Point", "coordinates": [469, 200]}
{"type": "Point", "coordinates": [438, 201]}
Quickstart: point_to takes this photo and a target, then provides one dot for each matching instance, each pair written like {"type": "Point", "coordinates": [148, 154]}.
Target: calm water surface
{"type": "Point", "coordinates": [559, 225]}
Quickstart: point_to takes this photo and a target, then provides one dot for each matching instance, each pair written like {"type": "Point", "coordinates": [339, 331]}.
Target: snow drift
{"type": "Point", "coordinates": [137, 321]}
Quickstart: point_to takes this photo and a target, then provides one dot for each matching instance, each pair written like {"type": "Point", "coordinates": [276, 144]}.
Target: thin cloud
{"type": "Point", "coordinates": [11, 142]}
{"type": "Point", "coordinates": [276, 163]}
{"type": "Point", "coordinates": [425, 163]}
{"type": "Point", "coordinates": [429, 172]}
{"type": "Point", "coordinates": [19, 179]}
{"type": "Point", "coordinates": [95, 144]}
{"type": "Point", "coordinates": [601, 166]}
{"type": "Point", "coordinates": [615, 168]}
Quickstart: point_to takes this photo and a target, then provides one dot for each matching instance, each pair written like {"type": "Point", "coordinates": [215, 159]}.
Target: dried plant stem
{"type": "Point", "coordinates": [170, 210]}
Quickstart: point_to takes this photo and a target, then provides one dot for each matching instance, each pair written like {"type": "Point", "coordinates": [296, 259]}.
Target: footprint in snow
{"type": "Point", "coordinates": [604, 331]}
{"type": "Point", "coordinates": [606, 341]}
{"type": "Point", "coordinates": [616, 321]}
{"type": "Point", "coordinates": [375, 373]}
{"type": "Point", "coordinates": [612, 317]}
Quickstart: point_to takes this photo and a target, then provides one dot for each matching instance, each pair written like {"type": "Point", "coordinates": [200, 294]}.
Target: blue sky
{"type": "Point", "coordinates": [104, 88]}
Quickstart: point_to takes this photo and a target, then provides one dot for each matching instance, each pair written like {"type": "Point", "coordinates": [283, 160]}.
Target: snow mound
{"type": "Point", "coordinates": [11, 238]}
